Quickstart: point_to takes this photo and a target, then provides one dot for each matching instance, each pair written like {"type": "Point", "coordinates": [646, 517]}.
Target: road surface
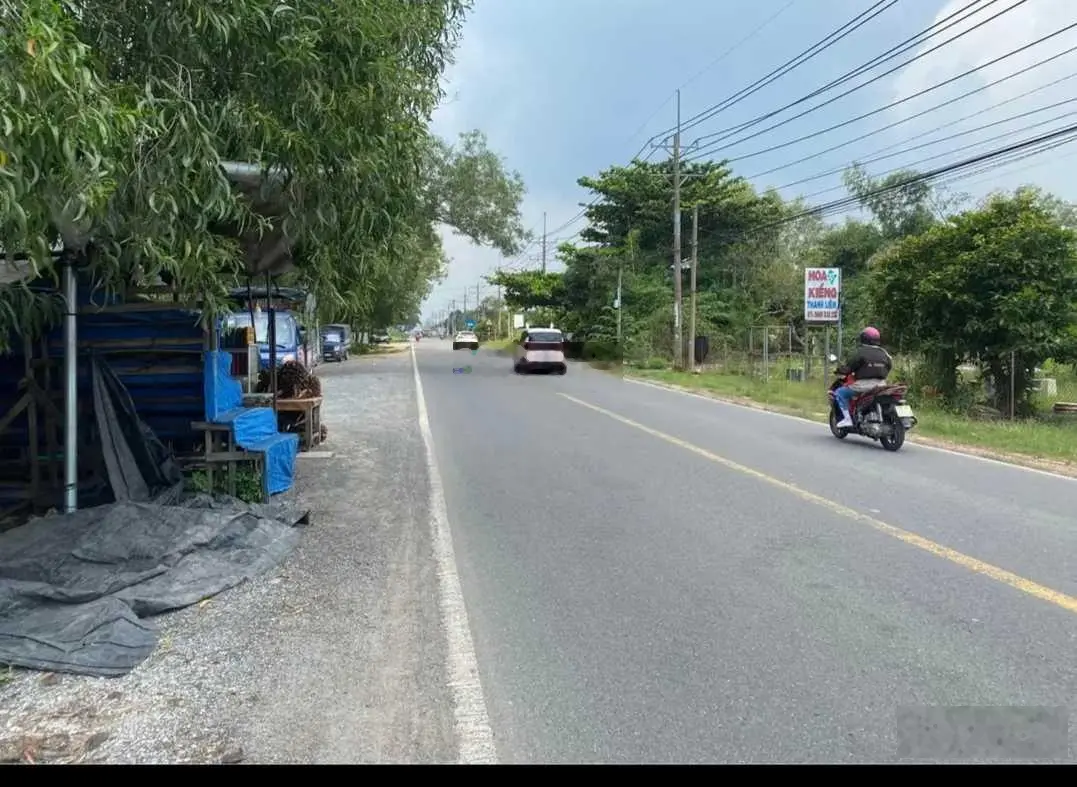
{"type": "Point", "coordinates": [652, 577]}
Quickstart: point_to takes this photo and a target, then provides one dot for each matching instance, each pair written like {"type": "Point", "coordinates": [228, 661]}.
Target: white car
{"type": "Point", "coordinates": [465, 340]}
{"type": "Point", "coordinates": [540, 349]}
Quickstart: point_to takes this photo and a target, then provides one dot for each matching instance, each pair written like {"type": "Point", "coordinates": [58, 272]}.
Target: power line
{"type": "Point", "coordinates": [891, 53]}
{"type": "Point", "coordinates": [1011, 159]}
{"type": "Point", "coordinates": [873, 158]}
{"type": "Point", "coordinates": [918, 164]}
{"type": "Point", "coordinates": [888, 3]}
{"type": "Point", "coordinates": [1027, 167]}
{"type": "Point", "coordinates": [901, 101]}
{"type": "Point", "coordinates": [788, 66]}
{"type": "Point", "coordinates": [736, 46]}
{"type": "Point", "coordinates": [1065, 134]}
{"type": "Point", "coordinates": [968, 167]}
{"type": "Point", "coordinates": [927, 111]}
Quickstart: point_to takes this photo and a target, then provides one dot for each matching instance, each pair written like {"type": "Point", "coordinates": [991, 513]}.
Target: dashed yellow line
{"type": "Point", "coordinates": [1035, 589]}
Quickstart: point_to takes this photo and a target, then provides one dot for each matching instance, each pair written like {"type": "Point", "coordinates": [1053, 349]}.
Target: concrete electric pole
{"type": "Point", "coordinates": [692, 289]}
{"type": "Point", "coordinates": [678, 340]}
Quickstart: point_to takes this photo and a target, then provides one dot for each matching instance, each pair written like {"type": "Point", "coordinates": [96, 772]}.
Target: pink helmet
{"type": "Point", "coordinates": [870, 335]}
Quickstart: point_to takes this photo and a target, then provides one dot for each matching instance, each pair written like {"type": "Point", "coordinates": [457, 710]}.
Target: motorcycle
{"type": "Point", "coordinates": [882, 413]}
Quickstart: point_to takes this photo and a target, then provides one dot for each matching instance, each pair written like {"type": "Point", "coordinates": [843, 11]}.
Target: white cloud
{"type": "Point", "coordinates": [1025, 24]}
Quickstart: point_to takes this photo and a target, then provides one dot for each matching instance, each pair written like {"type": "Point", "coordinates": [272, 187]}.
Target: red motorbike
{"type": "Point", "coordinates": [881, 413]}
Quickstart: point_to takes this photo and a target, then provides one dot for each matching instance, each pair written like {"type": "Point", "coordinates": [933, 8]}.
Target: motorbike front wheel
{"type": "Point", "coordinates": [896, 438]}
{"type": "Point", "coordinates": [841, 434]}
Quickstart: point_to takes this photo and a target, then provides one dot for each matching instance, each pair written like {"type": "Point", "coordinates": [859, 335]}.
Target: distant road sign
{"type": "Point", "coordinates": [470, 323]}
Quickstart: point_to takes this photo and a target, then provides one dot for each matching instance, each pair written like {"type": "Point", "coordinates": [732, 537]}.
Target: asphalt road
{"type": "Point", "coordinates": [709, 583]}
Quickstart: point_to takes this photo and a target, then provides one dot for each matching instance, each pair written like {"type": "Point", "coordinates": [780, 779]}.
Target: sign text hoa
{"type": "Point", "coordinates": [822, 294]}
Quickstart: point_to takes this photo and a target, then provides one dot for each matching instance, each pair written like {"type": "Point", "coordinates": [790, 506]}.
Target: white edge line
{"type": "Point", "coordinates": [962, 454]}
{"type": "Point", "coordinates": [474, 735]}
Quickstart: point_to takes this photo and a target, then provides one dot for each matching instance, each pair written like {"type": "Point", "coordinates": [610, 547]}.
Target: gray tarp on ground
{"type": "Point", "coordinates": [75, 588]}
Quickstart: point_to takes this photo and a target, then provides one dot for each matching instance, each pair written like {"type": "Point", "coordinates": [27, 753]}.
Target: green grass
{"type": "Point", "coordinates": [378, 349]}
{"type": "Point", "coordinates": [498, 345]}
{"type": "Point", "coordinates": [1049, 438]}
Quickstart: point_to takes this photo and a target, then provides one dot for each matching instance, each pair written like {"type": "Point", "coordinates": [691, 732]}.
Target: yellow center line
{"type": "Point", "coordinates": [1041, 592]}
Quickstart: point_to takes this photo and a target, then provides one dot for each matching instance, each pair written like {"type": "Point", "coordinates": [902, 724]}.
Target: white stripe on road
{"type": "Point", "coordinates": [474, 735]}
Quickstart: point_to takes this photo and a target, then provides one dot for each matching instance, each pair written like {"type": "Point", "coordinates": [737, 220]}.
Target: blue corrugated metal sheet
{"type": "Point", "coordinates": [157, 354]}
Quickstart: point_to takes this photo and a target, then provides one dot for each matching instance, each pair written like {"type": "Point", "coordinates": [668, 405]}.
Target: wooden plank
{"type": "Point", "coordinates": [220, 457]}
{"type": "Point", "coordinates": [205, 426]}
{"type": "Point", "coordinates": [298, 405]}
{"type": "Point", "coordinates": [35, 440]}
{"type": "Point", "coordinates": [13, 413]}
{"type": "Point", "coordinates": [138, 307]}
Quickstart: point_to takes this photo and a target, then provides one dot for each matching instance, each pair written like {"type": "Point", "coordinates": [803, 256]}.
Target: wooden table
{"type": "Point", "coordinates": [311, 412]}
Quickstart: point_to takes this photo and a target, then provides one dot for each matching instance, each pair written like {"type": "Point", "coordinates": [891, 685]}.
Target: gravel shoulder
{"type": "Point", "coordinates": [338, 656]}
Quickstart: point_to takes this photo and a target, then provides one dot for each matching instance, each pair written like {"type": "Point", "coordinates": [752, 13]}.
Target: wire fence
{"type": "Point", "coordinates": [775, 352]}
{"type": "Point", "coordinates": [786, 354]}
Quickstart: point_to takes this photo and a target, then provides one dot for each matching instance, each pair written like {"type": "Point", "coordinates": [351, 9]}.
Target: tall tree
{"type": "Point", "coordinates": [987, 285]}
{"type": "Point", "coordinates": [130, 106]}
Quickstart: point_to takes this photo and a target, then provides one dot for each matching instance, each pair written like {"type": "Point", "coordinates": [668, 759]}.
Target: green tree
{"type": "Point", "coordinates": [130, 107]}
{"type": "Point", "coordinates": [900, 203]}
{"type": "Point", "coordinates": [469, 189]}
{"type": "Point", "coordinates": [530, 289]}
{"type": "Point", "coordinates": [989, 282]}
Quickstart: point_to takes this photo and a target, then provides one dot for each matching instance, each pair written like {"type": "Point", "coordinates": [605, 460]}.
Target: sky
{"type": "Point", "coordinates": [567, 88]}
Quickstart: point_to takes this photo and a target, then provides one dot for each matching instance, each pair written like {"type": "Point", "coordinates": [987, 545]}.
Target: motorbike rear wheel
{"type": "Point", "coordinates": [896, 438]}
{"type": "Point", "coordinates": [841, 434]}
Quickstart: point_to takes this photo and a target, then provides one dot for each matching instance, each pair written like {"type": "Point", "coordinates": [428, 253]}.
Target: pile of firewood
{"type": "Point", "coordinates": [294, 381]}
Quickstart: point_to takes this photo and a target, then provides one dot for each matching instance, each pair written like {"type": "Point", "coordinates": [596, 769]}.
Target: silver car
{"type": "Point", "coordinates": [540, 349]}
{"type": "Point", "coordinates": [465, 340]}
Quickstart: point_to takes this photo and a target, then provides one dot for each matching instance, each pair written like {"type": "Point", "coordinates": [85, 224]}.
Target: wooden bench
{"type": "Point", "coordinates": [251, 430]}
{"type": "Point", "coordinates": [221, 449]}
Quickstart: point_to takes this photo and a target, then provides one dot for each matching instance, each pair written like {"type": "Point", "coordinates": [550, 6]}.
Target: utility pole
{"type": "Point", "coordinates": [692, 290]}
{"type": "Point", "coordinates": [620, 307]}
{"type": "Point", "coordinates": [452, 316]}
{"type": "Point", "coordinates": [678, 340]}
{"type": "Point", "coordinates": [543, 241]}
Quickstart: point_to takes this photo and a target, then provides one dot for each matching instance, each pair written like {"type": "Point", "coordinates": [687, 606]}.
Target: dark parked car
{"type": "Point", "coordinates": [335, 341]}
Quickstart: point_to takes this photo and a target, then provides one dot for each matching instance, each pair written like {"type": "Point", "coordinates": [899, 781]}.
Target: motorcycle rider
{"type": "Point", "coordinates": [869, 365]}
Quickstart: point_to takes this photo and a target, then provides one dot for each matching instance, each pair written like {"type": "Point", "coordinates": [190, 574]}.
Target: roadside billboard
{"type": "Point", "coordinates": [822, 295]}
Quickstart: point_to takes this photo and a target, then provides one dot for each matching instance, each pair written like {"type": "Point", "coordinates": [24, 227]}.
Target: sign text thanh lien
{"type": "Point", "coordinates": [822, 294]}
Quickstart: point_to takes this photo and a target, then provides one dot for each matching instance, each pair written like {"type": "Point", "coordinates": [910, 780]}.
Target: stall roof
{"type": "Point", "coordinates": [270, 253]}
{"type": "Point", "coordinates": [261, 292]}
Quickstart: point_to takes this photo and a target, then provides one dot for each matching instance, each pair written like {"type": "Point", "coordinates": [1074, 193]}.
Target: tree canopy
{"type": "Point", "coordinates": [990, 282]}
{"type": "Point", "coordinates": [115, 118]}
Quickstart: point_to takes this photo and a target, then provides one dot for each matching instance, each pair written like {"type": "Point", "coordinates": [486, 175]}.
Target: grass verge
{"type": "Point", "coordinates": [380, 349]}
{"type": "Point", "coordinates": [1053, 440]}
{"type": "Point", "coordinates": [498, 345]}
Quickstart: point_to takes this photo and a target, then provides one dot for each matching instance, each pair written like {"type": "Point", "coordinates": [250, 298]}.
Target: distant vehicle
{"type": "Point", "coordinates": [335, 342]}
{"type": "Point", "coordinates": [540, 349]}
{"type": "Point", "coordinates": [380, 337]}
{"type": "Point", "coordinates": [465, 340]}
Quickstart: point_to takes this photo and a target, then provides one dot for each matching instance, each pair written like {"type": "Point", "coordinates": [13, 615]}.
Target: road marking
{"type": "Point", "coordinates": [763, 411]}
{"type": "Point", "coordinates": [1041, 592]}
{"type": "Point", "coordinates": [474, 735]}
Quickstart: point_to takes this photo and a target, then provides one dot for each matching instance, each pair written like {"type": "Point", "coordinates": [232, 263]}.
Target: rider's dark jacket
{"type": "Point", "coordinates": [869, 362]}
